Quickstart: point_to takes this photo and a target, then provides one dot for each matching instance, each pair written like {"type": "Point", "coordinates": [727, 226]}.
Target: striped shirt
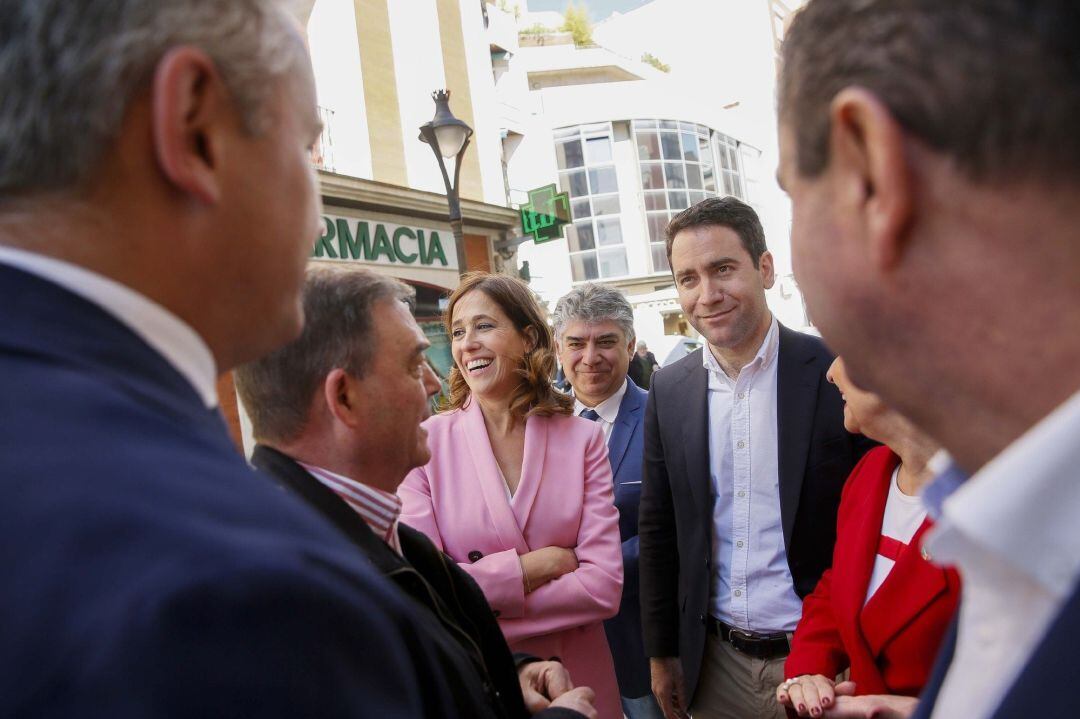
{"type": "Point", "coordinates": [379, 509]}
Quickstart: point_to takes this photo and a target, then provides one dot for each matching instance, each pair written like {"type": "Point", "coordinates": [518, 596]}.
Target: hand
{"type": "Point", "coordinates": [540, 566]}
{"type": "Point", "coordinates": [870, 706]}
{"type": "Point", "coordinates": [808, 695]}
{"type": "Point", "coordinates": [541, 682]}
{"type": "Point", "coordinates": [580, 700]}
{"type": "Point", "coordinates": [669, 688]}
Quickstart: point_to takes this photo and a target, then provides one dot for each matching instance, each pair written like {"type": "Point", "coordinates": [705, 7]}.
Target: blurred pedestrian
{"type": "Point", "coordinates": [935, 240]}
{"type": "Point", "coordinates": [157, 207]}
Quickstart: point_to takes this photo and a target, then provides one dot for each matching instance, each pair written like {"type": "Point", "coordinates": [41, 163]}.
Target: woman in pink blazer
{"type": "Point", "coordinates": [518, 491]}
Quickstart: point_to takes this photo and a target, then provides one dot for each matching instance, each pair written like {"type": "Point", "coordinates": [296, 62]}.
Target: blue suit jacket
{"type": "Point", "coordinates": [146, 569]}
{"type": "Point", "coordinates": [624, 629]}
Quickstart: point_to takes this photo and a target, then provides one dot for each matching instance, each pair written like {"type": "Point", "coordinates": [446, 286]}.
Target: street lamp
{"type": "Point", "coordinates": [448, 137]}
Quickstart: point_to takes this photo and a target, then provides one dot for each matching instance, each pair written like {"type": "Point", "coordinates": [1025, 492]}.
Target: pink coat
{"type": "Point", "coordinates": [564, 499]}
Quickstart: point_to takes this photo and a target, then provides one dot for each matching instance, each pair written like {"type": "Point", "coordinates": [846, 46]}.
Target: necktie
{"type": "Point", "coordinates": [589, 414]}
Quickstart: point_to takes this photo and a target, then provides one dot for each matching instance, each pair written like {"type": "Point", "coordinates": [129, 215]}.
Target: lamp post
{"type": "Point", "coordinates": [448, 137]}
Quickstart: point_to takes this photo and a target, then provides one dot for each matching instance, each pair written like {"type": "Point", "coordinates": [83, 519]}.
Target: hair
{"type": "Point", "coordinates": [992, 84]}
{"type": "Point", "coordinates": [727, 212]}
{"type": "Point", "coordinates": [339, 306]}
{"type": "Point", "coordinates": [535, 396]}
{"type": "Point", "coordinates": [70, 71]}
{"type": "Point", "coordinates": [592, 303]}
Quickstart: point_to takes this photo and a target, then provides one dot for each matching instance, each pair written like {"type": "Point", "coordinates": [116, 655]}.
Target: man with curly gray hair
{"type": "Point", "coordinates": [157, 206]}
{"type": "Point", "coordinates": [594, 331]}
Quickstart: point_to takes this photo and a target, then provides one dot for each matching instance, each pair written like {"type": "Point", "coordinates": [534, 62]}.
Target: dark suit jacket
{"type": "Point", "coordinates": [1045, 687]}
{"type": "Point", "coordinates": [457, 621]}
{"type": "Point", "coordinates": [816, 455]}
{"type": "Point", "coordinates": [147, 570]}
{"type": "Point", "coordinates": [624, 629]}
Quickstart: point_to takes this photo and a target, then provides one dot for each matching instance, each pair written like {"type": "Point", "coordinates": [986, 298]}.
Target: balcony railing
{"type": "Point", "coordinates": [322, 154]}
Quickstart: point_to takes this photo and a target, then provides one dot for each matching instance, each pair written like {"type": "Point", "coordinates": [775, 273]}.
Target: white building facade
{"type": "Point", "coordinates": [633, 146]}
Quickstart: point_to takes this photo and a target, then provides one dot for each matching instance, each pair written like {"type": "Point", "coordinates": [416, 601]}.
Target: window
{"type": "Point", "coordinates": [681, 164]}
{"type": "Point", "coordinates": [587, 172]}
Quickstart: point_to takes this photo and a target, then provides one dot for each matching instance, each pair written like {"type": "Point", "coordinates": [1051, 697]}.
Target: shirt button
{"type": "Point", "coordinates": [739, 544]}
{"type": "Point", "coordinates": [742, 493]}
{"type": "Point", "coordinates": [740, 444]}
{"type": "Point", "coordinates": [738, 592]}
{"type": "Point", "coordinates": [742, 395]}
{"type": "Point", "coordinates": [475, 555]}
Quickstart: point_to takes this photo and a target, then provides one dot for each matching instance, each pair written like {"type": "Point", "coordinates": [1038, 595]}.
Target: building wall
{"type": "Point", "coordinates": [376, 64]}
{"type": "Point", "coordinates": [726, 86]}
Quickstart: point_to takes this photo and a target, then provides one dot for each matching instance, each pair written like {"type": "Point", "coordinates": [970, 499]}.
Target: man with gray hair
{"type": "Point", "coordinates": [930, 152]}
{"type": "Point", "coordinates": [156, 209]}
{"type": "Point", "coordinates": [337, 416]}
{"type": "Point", "coordinates": [594, 331]}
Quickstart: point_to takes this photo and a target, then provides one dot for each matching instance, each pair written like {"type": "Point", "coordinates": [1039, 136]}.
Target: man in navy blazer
{"type": "Point", "coordinates": [935, 240]}
{"type": "Point", "coordinates": [594, 328]}
{"type": "Point", "coordinates": [156, 209]}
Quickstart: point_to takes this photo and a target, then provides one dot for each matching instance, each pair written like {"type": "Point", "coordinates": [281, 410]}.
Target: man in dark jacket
{"type": "Point", "coordinates": [337, 415]}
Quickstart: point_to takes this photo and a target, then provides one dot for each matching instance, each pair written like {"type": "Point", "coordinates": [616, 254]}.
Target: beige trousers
{"type": "Point", "coordinates": [735, 686]}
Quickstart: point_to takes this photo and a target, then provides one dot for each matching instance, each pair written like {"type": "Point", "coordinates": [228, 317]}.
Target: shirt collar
{"type": "Point", "coordinates": [948, 477]}
{"type": "Point", "coordinates": [765, 355]}
{"type": "Point", "coordinates": [378, 508]}
{"type": "Point", "coordinates": [608, 409]}
{"type": "Point", "coordinates": [166, 333]}
{"type": "Point", "coordinates": [1022, 505]}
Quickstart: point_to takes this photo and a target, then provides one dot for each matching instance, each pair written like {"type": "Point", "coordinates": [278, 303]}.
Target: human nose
{"type": "Point", "coordinates": [590, 355]}
{"type": "Point", "coordinates": [712, 292]}
{"type": "Point", "coordinates": [432, 385]}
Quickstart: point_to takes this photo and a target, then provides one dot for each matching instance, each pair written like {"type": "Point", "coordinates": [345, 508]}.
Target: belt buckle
{"type": "Point", "coordinates": [741, 641]}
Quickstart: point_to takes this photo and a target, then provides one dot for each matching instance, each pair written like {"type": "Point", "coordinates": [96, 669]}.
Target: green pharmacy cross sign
{"type": "Point", "coordinates": [545, 214]}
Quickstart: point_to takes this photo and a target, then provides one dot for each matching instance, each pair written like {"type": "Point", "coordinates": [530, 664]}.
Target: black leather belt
{"type": "Point", "coordinates": [758, 646]}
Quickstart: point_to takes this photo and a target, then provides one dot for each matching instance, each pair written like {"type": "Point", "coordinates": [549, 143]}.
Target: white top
{"type": "Point", "coordinates": [752, 586]}
{"type": "Point", "coordinates": [608, 410]}
{"type": "Point", "coordinates": [170, 336]}
{"type": "Point", "coordinates": [904, 514]}
{"type": "Point", "coordinates": [1012, 532]}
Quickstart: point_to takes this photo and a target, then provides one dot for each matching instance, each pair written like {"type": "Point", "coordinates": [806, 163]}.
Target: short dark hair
{"type": "Point", "coordinates": [992, 84]}
{"type": "Point", "coordinates": [338, 333]}
{"type": "Point", "coordinates": [727, 212]}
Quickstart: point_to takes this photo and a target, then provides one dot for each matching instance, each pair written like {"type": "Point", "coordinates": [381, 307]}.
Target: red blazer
{"type": "Point", "coordinates": [891, 642]}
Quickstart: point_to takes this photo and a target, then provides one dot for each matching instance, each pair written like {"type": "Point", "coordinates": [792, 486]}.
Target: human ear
{"type": "Point", "coordinates": [340, 396]}
{"type": "Point", "coordinates": [531, 338]}
{"type": "Point", "coordinates": [190, 107]}
{"type": "Point", "coordinates": [767, 268]}
{"type": "Point", "coordinates": [870, 165]}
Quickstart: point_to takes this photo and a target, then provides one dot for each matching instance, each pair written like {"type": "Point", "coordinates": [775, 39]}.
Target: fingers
{"type": "Point", "coordinates": [580, 700]}
{"type": "Point", "coordinates": [846, 689]}
{"type": "Point", "coordinates": [556, 679]}
{"type": "Point", "coordinates": [534, 700]}
{"type": "Point", "coordinates": [811, 698]}
{"type": "Point", "coordinates": [796, 699]}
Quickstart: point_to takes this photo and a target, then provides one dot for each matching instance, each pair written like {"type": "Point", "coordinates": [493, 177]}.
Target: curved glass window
{"type": "Point", "coordinates": [681, 164]}
{"type": "Point", "coordinates": [587, 172]}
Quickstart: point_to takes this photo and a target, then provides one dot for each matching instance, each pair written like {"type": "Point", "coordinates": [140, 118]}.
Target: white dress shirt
{"type": "Point", "coordinates": [1012, 532]}
{"type": "Point", "coordinates": [170, 336]}
{"type": "Point", "coordinates": [752, 586]}
{"type": "Point", "coordinates": [608, 410]}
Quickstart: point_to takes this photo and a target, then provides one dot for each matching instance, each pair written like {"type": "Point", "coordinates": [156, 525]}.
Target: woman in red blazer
{"type": "Point", "coordinates": [882, 609]}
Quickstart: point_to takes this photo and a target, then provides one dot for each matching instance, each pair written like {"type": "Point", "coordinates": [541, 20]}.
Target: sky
{"type": "Point", "coordinates": [598, 9]}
